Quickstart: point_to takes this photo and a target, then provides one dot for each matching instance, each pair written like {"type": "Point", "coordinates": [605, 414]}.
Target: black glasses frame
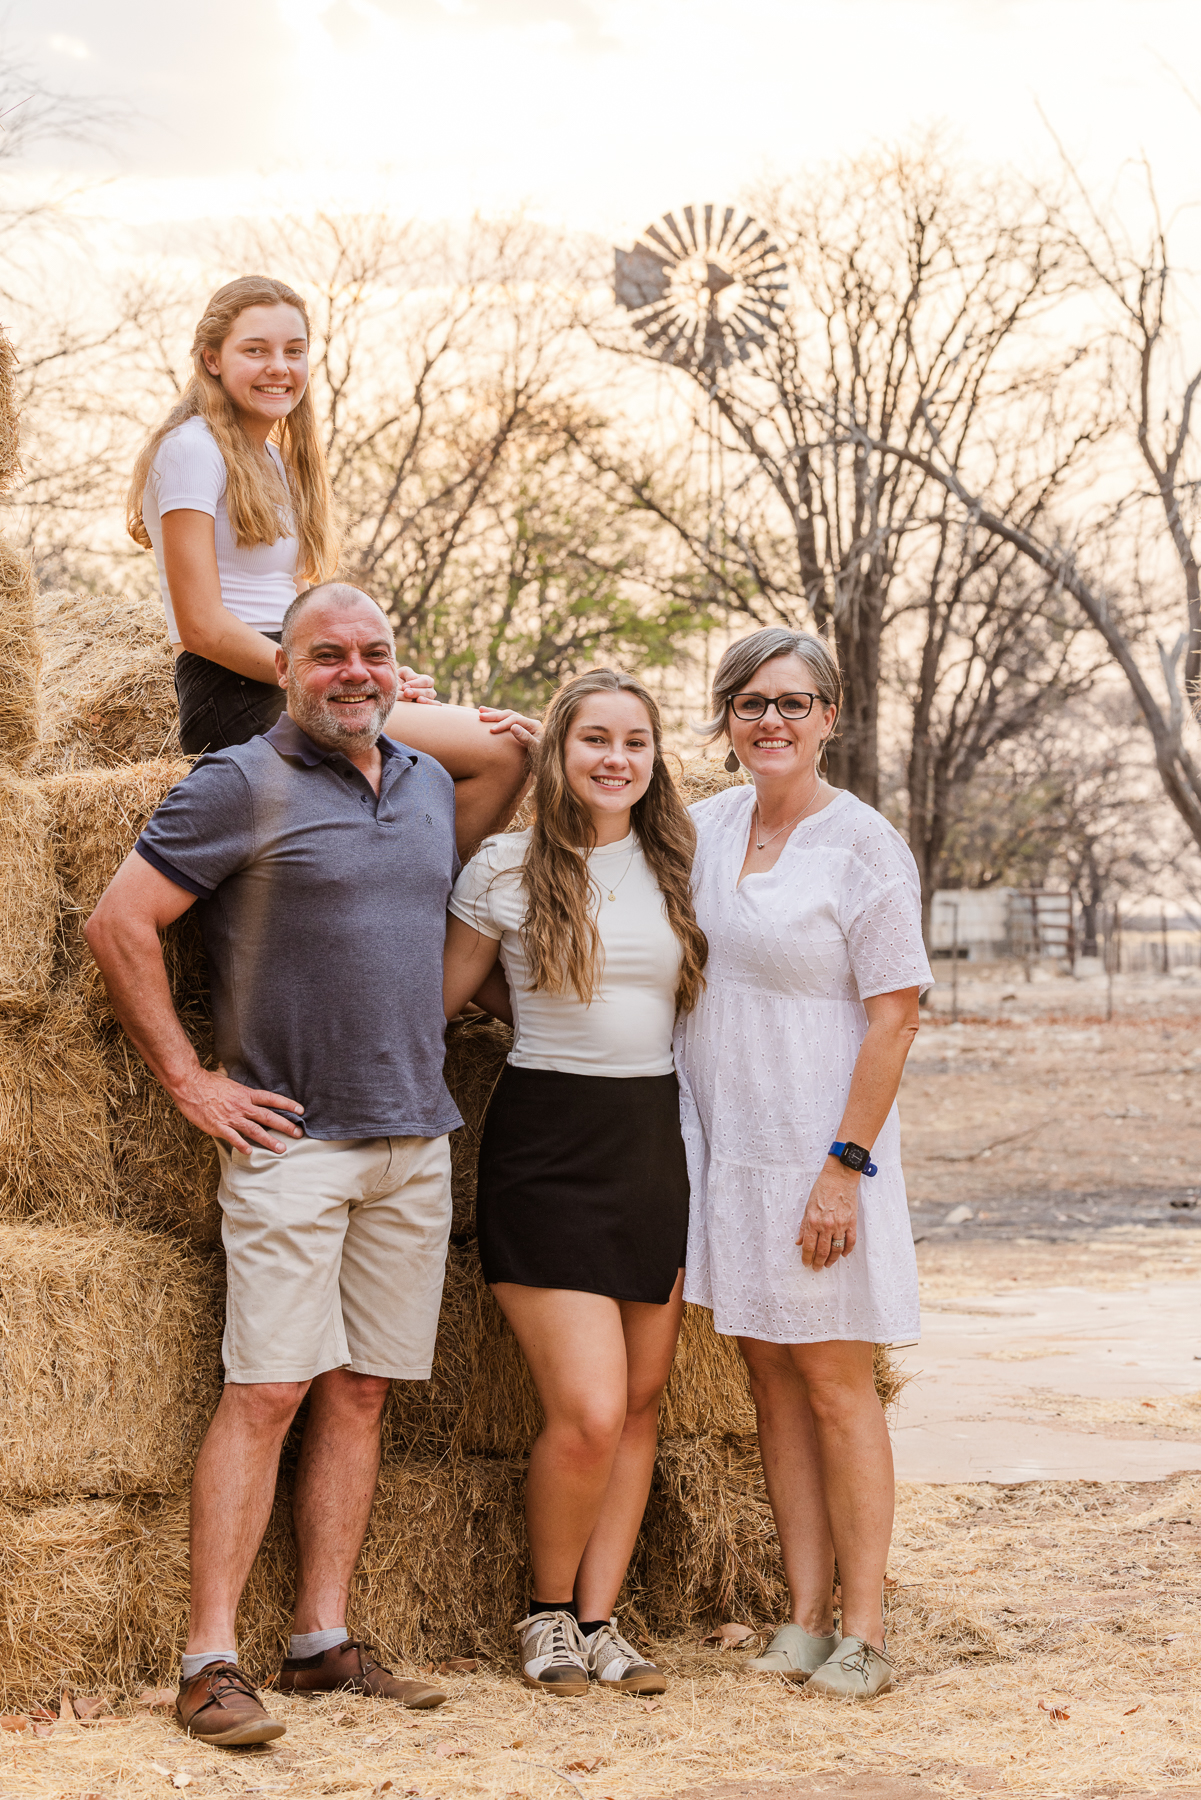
{"type": "Point", "coordinates": [762, 705]}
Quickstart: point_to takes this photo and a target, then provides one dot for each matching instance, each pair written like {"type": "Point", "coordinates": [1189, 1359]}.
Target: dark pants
{"type": "Point", "coordinates": [218, 708]}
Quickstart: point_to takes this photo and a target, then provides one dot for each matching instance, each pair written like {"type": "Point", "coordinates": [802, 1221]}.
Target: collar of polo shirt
{"type": "Point", "coordinates": [287, 738]}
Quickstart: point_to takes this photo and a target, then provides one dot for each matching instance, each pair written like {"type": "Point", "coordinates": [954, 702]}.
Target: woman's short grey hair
{"type": "Point", "coordinates": [743, 660]}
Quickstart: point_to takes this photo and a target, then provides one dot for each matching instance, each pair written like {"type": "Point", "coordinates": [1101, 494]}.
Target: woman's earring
{"type": "Point", "coordinates": [731, 764]}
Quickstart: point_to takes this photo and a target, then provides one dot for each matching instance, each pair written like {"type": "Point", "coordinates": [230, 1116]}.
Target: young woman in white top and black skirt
{"type": "Point", "coordinates": [231, 493]}
{"type": "Point", "coordinates": [583, 1187]}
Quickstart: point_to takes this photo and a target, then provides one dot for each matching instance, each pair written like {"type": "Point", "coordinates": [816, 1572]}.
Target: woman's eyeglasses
{"type": "Point", "coordinates": [789, 706]}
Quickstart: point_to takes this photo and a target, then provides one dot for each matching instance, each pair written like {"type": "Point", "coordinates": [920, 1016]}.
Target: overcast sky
{"type": "Point", "coordinates": [599, 113]}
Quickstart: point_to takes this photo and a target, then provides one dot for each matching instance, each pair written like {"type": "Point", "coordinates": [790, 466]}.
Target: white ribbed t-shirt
{"type": "Point", "coordinates": [627, 1029]}
{"type": "Point", "coordinates": [257, 585]}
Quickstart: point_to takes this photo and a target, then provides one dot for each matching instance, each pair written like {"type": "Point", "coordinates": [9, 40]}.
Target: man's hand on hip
{"type": "Point", "coordinates": [236, 1115]}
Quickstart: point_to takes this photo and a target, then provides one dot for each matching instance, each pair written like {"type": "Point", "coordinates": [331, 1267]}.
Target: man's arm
{"type": "Point", "coordinates": [123, 936]}
{"type": "Point", "coordinates": [486, 760]}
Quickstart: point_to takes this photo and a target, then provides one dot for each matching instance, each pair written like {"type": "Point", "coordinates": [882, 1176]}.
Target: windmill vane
{"type": "Point", "coordinates": [703, 293]}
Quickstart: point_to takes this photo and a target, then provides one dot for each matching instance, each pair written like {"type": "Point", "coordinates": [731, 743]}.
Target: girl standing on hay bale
{"type": "Point", "coordinates": [231, 493]}
{"type": "Point", "coordinates": [789, 1071]}
{"type": "Point", "coordinates": [583, 1189]}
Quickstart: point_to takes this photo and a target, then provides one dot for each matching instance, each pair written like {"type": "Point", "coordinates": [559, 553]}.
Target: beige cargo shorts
{"type": "Point", "coordinates": [336, 1255]}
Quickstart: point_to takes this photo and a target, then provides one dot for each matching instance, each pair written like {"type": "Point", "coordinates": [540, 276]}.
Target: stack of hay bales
{"type": "Point", "coordinates": [111, 1286]}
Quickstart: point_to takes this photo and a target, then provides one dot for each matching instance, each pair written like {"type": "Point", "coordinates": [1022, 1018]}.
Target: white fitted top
{"type": "Point", "coordinates": [627, 1028]}
{"type": "Point", "coordinates": [257, 585]}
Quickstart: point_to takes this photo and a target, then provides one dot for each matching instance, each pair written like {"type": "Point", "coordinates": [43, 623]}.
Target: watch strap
{"type": "Point", "coordinates": [869, 1167]}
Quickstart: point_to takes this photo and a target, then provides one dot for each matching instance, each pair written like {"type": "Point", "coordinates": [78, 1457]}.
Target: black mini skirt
{"type": "Point", "coordinates": [583, 1184]}
{"type": "Point", "coordinates": [219, 708]}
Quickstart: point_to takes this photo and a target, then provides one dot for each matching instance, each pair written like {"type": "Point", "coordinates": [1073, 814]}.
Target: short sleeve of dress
{"type": "Point", "coordinates": [188, 472]}
{"type": "Point", "coordinates": [474, 896]}
{"type": "Point", "coordinates": [882, 914]}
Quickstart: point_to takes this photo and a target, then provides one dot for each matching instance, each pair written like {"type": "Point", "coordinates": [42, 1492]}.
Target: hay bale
{"type": "Point", "coordinates": [476, 1049]}
{"type": "Point", "coordinates": [109, 1347]}
{"type": "Point", "coordinates": [56, 1165]}
{"type": "Point", "coordinates": [20, 651]}
{"type": "Point", "coordinates": [166, 1170]}
{"type": "Point", "coordinates": [10, 432]}
{"type": "Point", "coordinates": [95, 816]}
{"type": "Point", "coordinates": [28, 895]}
{"type": "Point", "coordinates": [93, 1593]}
{"type": "Point", "coordinates": [708, 1548]}
{"type": "Point", "coordinates": [108, 686]}
{"type": "Point", "coordinates": [700, 777]}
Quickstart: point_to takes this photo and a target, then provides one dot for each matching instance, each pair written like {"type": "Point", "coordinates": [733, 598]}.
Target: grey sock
{"type": "Point", "coordinates": [192, 1665]}
{"type": "Point", "coordinates": [309, 1643]}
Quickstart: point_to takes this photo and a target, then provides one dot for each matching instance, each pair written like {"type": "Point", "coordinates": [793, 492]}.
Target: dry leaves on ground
{"type": "Point", "coordinates": [727, 1636]}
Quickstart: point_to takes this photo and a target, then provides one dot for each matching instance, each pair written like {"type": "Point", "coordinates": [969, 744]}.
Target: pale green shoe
{"type": "Point", "coordinates": [794, 1654]}
{"type": "Point", "coordinates": [854, 1672]}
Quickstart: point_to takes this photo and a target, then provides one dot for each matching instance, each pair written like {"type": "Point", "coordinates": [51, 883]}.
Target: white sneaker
{"type": "Point", "coordinates": [618, 1666]}
{"type": "Point", "coordinates": [553, 1653]}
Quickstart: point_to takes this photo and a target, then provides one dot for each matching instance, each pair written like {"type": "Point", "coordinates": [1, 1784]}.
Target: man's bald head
{"type": "Point", "coordinates": [336, 594]}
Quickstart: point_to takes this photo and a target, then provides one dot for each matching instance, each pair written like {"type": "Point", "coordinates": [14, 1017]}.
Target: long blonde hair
{"type": "Point", "coordinates": [559, 934]}
{"type": "Point", "coordinates": [258, 510]}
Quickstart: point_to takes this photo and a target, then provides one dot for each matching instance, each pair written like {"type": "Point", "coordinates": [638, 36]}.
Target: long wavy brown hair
{"type": "Point", "coordinates": [559, 934]}
{"type": "Point", "coordinates": [258, 508]}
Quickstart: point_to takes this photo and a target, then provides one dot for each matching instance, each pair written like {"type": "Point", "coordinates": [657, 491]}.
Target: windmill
{"type": "Point", "coordinates": [704, 294]}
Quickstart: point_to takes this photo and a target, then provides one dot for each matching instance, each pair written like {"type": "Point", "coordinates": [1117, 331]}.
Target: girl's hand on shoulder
{"type": "Point", "coordinates": [417, 688]}
{"type": "Point", "coordinates": [831, 1213]}
{"type": "Point", "coordinates": [526, 731]}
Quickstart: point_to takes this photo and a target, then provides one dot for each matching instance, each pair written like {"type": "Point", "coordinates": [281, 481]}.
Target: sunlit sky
{"type": "Point", "coordinates": [595, 113]}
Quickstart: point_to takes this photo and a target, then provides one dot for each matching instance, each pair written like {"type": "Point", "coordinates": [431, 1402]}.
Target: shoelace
{"type": "Point", "coordinates": [225, 1679]}
{"type": "Point", "coordinates": [555, 1632]}
{"type": "Point", "coordinates": [608, 1634]}
{"type": "Point", "coordinates": [367, 1662]}
{"type": "Point", "coordinates": [860, 1663]}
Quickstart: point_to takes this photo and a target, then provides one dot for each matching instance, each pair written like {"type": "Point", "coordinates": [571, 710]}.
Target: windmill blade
{"type": "Point", "coordinates": [708, 215]}
{"type": "Point", "coordinates": [652, 231]}
{"type": "Point", "coordinates": [676, 233]}
{"type": "Point", "coordinates": [690, 221]}
{"type": "Point", "coordinates": [640, 277]}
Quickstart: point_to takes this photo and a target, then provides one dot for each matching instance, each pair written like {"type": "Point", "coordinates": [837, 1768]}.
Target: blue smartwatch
{"type": "Point", "coordinates": [854, 1156]}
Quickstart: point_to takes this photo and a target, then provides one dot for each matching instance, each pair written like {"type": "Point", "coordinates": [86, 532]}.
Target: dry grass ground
{"type": "Point", "coordinates": [1048, 1638]}
{"type": "Point", "coordinates": [991, 1110]}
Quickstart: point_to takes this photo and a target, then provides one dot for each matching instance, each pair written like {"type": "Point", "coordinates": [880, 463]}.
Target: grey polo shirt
{"type": "Point", "coordinates": [323, 911]}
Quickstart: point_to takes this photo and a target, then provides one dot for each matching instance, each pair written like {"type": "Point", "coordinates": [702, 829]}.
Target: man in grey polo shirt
{"type": "Point", "coordinates": [322, 855]}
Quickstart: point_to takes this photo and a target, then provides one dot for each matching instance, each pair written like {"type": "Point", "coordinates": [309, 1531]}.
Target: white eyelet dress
{"type": "Point", "coordinates": [765, 1063]}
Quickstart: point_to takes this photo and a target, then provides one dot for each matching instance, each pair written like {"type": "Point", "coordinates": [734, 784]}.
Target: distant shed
{"type": "Point", "coordinates": [985, 924]}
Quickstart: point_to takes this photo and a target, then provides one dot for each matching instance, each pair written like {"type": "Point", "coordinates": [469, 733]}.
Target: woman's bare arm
{"type": "Point", "coordinates": [467, 961]}
{"type": "Point", "coordinates": [493, 995]}
{"type": "Point", "coordinates": [489, 768]}
{"type": "Point", "coordinates": [205, 625]}
{"type": "Point", "coordinates": [833, 1205]}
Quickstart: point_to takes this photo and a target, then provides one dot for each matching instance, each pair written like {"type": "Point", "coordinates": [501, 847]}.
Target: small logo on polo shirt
{"type": "Point", "coordinates": [427, 818]}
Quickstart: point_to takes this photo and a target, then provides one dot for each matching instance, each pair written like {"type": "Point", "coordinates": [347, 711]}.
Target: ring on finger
{"type": "Point", "coordinates": [838, 1243]}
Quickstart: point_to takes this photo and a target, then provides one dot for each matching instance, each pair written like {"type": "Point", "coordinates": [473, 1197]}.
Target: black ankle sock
{"type": "Point", "coordinates": [567, 1606]}
{"type": "Point", "coordinates": [588, 1626]}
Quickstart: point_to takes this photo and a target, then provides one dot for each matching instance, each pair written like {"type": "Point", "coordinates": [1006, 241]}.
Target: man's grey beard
{"type": "Point", "coordinates": [323, 723]}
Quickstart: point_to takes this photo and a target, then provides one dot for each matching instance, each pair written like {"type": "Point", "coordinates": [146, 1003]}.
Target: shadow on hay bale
{"type": "Point", "coordinates": [108, 685]}
{"type": "Point", "coordinates": [109, 1346]}
{"type": "Point", "coordinates": [20, 648]}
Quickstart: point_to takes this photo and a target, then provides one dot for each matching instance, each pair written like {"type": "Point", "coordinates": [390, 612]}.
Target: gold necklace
{"type": "Point", "coordinates": [612, 891]}
{"type": "Point", "coordinates": [762, 843]}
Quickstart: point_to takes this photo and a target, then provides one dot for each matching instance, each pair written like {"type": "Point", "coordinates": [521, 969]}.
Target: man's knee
{"type": "Point", "coordinates": [264, 1406]}
{"type": "Point", "coordinates": [345, 1392]}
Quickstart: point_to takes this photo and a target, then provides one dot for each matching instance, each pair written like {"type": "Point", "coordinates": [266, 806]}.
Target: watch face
{"type": "Point", "coordinates": [854, 1156]}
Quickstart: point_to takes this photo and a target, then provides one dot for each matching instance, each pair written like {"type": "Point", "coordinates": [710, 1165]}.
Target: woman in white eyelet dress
{"type": "Point", "coordinates": [765, 1062]}
{"type": "Point", "coordinates": [811, 905]}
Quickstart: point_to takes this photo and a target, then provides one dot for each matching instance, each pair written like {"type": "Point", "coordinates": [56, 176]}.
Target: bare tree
{"type": "Point", "coordinates": [908, 290]}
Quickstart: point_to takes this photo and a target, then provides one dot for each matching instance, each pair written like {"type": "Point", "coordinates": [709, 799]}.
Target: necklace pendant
{"type": "Point", "coordinates": [612, 896]}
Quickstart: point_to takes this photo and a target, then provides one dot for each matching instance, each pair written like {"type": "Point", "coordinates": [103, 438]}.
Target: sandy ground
{"type": "Point", "coordinates": [1046, 1621]}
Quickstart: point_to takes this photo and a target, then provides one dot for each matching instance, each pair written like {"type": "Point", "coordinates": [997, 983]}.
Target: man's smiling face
{"type": "Point", "coordinates": [341, 675]}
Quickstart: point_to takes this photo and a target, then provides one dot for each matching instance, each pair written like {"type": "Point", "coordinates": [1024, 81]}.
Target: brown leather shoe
{"type": "Point", "coordinates": [351, 1665]}
{"type": "Point", "coordinates": [219, 1706]}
